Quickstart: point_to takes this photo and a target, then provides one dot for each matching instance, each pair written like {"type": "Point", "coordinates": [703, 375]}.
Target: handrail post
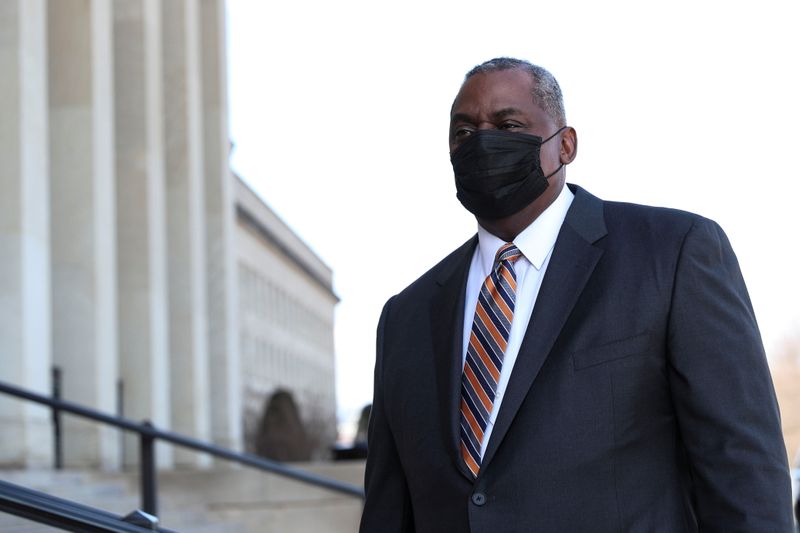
{"type": "Point", "coordinates": [149, 434]}
{"type": "Point", "coordinates": [121, 414]}
{"type": "Point", "coordinates": [58, 443]}
{"type": "Point", "coordinates": [147, 468]}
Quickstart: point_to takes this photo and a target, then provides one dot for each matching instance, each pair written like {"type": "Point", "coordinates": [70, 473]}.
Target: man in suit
{"type": "Point", "coordinates": [579, 365]}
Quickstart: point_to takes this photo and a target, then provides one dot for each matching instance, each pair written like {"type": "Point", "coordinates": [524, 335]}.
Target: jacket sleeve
{"type": "Point", "coordinates": [387, 508]}
{"type": "Point", "coordinates": [723, 393]}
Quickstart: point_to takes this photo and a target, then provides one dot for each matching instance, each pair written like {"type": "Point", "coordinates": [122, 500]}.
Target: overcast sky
{"type": "Point", "coordinates": [339, 115]}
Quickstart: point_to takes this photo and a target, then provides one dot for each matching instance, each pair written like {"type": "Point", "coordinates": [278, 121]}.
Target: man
{"type": "Point", "coordinates": [579, 365]}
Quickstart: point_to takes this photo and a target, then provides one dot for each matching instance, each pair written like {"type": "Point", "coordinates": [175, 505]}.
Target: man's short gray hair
{"type": "Point", "coordinates": [546, 91]}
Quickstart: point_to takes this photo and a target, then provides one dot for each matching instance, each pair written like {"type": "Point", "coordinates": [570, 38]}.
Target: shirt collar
{"type": "Point", "coordinates": [536, 241]}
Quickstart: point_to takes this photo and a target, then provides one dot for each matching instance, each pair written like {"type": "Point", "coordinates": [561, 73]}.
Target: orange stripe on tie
{"type": "Point", "coordinates": [487, 361]}
{"type": "Point", "coordinates": [509, 278]}
{"type": "Point", "coordinates": [471, 464]}
{"type": "Point", "coordinates": [503, 306]}
{"type": "Point", "coordinates": [471, 420]}
{"type": "Point", "coordinates": [498, 300]}
{"type": "Point", "coordinates": [476, 385]}
{"type": "Point", "coordinates": [478, 356]}
{"type": "Point", "coordinates": [491, 328]}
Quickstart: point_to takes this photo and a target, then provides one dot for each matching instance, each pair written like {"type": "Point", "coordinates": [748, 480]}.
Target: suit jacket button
{"type": "Point", "coordinates": [479, 498]}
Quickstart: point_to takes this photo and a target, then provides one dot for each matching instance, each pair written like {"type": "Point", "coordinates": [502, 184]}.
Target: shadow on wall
{"type": "Point", "coordinates": [280, 434]}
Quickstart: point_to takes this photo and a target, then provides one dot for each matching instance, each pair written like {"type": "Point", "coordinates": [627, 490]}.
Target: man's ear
{"type": "Point", "coordinates": [569, 145]}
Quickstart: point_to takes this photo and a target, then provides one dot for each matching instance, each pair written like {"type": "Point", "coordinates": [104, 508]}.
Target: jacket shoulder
{"type": "Point", "coordinates": [658, 229]}
{"type": "Point", "coordinates": [645, 220]}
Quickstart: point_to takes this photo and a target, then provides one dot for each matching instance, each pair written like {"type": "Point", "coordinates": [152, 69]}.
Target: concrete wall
{"type": "Point", "coordinates": [25, 300]}
{"type": "Point", "coordinates": [116, 220]}
{"type": "Point", "coordinates": [121, 253]}
{"type": "Point", "coordinates": [286, 320]}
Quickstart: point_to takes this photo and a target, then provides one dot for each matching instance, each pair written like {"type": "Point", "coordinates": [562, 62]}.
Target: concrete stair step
{"type": "Point", "coordinates": [214, 500]}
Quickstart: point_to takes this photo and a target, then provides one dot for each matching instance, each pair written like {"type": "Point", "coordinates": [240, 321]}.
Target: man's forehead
{"type": "Point", "coordinates": [504, 90]}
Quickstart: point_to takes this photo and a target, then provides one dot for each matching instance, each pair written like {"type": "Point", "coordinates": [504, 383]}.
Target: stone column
{"type": "Point", "coordinates": [141, 219]}
{"type": "Point", "coordinates": [226, 394]}
{"type": "Point", "coordinates": [24, 231]}
{"type": "Point", "coordinates": [83, 241]}
{"type": "Point", "coordinates": [183, 130]}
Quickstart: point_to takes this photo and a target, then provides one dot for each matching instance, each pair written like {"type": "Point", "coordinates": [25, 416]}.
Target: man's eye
{"type": "Point", "coordinates": [461, 132]}
{"type": "Point", "coordinates": [509, 126]}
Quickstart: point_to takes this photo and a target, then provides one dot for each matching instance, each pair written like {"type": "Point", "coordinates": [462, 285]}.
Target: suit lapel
{"type": "Point", "coordinates": [447, 326]}
{"type": "Point", "coordinates": [572, 263]}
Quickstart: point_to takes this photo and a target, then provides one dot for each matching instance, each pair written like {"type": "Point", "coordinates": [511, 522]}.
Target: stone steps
{"type": "Point", "coordinates": [217, 500]}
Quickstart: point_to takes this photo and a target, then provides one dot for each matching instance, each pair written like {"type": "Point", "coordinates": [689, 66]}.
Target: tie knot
{"type": "Point", "coordinates": [507, 252]}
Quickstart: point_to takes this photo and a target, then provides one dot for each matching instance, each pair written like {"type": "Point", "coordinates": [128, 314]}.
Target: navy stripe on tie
{"type": "Point", "coordinates": [490, 330]}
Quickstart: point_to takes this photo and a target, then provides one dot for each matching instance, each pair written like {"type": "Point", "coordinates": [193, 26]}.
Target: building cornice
{"type": "Point", "coordinates": [251, 220]}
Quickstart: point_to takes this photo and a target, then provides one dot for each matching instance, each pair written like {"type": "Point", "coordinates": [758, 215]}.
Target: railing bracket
{"type": "Point", "coordinates": [140, 518]}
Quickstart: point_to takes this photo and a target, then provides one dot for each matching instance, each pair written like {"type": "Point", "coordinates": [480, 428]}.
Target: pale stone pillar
{"type": "Point", "coordinates": [226, 394]}
{"type": "Point", "coordinates": [141, 219]}
{"type": "Point", "coordinates": [183, 130]}
{"type": "Point", "coordinates": [24, 231]}
{"type": "Point", "coordinates": [82, 225]}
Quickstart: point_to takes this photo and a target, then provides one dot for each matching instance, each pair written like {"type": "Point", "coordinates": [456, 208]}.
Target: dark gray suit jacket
{"type": "Point", "coordinates": [640, 400]}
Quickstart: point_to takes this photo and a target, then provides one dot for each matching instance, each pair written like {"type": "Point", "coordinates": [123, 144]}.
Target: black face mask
{"type": "Point", "coordinates": [498, 173]}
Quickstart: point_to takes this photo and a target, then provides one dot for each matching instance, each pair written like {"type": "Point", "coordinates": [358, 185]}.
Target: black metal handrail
{"type": "Point", "coordinates": [60, 513]}
{"type": "Point", "coordinates": [149, 434]}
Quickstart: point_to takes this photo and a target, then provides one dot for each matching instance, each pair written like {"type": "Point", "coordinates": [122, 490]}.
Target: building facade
{"type": "Point", "coordinates": [286, 313]}
{"type": "Point", "coordinates": [120, 231]}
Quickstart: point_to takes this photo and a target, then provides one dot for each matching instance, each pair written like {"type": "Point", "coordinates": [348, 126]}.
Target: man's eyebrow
{"type": "Point", "coordinates": [461, 117]}
{"type": "Point", "coordinates": [506, 112]}
{"type": "Point", "coordinates": [497, 115]}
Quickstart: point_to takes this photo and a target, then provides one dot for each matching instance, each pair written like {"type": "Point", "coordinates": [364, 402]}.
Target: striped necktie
{"type": "Point", "coordinates": [487, 345]}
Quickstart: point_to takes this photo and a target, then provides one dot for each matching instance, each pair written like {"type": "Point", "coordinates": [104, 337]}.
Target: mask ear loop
{"type": "Point", "coordinates": [553, 135]}
{"type": "Point", "coordinates": [562, 164]}
{"type": "Point", "coordinates": [553, 173]}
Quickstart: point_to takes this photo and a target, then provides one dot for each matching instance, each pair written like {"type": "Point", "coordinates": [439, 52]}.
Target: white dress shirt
{"type": "Point", "coordinates": [536, 244]}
